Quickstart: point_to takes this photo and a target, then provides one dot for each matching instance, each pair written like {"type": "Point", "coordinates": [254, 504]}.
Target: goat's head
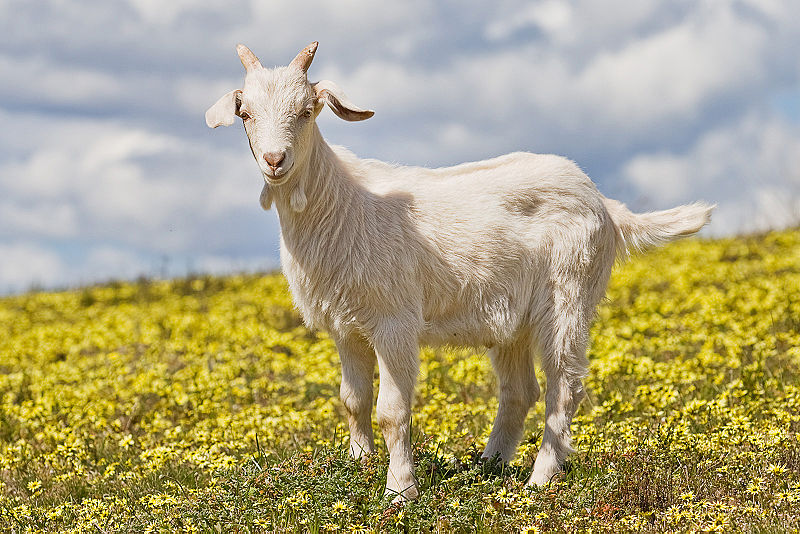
{"type": "Point", "coordinates": [278, 108]}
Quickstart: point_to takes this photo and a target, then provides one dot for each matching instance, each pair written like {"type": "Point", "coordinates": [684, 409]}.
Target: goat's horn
{"type": "Point", "coordinates": [249, 59]}
{"type": "Point", "coordinates": [303, 60]}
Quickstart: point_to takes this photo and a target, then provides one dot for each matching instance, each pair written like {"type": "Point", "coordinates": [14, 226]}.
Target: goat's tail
{"type": "Point", "coordinates": [640, 231]}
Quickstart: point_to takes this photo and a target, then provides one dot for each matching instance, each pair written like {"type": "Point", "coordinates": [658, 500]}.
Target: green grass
{"type": "Point", "coordinates": [203, 404]}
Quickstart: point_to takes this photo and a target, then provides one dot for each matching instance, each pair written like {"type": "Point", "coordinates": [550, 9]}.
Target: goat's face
{"type": "Point", "coordinates": [278, 108]}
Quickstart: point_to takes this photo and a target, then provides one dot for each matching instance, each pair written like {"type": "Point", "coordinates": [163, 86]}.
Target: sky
{"type": "Point", "coordinates": [107, 169]}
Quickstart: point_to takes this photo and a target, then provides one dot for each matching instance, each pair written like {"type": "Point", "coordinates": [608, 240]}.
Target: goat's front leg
{"type": "Point", "coordinates": [398, 365]}
{"type": "Point", "coordinates": [358, 368]}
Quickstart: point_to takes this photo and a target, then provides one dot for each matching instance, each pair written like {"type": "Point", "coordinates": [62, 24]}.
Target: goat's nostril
{"type": "Point", "coordinates": [274, 159]}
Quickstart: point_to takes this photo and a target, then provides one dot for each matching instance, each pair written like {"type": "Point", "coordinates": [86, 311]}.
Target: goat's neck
{"type": "Point", "coordinates": [334, 200]}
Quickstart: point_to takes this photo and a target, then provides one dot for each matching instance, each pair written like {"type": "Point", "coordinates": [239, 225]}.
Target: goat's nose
{"type": "Point", "coordinates": [274, 159]}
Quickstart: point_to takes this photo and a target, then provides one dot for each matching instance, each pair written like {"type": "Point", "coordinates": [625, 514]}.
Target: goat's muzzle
{"type": "Point", "coordinates": [274, 159]}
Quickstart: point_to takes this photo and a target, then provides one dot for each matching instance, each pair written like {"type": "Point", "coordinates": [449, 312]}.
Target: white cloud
{"type": "Point", "coordinates": [195, 94]}
{"type": "Point", "coordinates": [163, 13]}
{"type": "Point", "coordinates": [653, 78]}
{"type": "Point", "coordinates": [225, 264]}
{"type": "Point", "coordinates": [749, 168]}
{"type": "Point", "coordinates": [45, 219]}
{"type": "Point", "coordinates": [106, 180]}
{"type": "Point", "coordinates": [551, 16]}
{"type": "Point", "coordinates": [677, 70]}
{"type": "Point", "coordinates": [107, 263]}
{"type": "Point", "coordinates": [23, 265]}
{"type": "Point", "coordinates": [347, 27]}
{"type": "Point", "coordinates": [104, 148]}
{"type": "Point", "coordinates": [36, 78]}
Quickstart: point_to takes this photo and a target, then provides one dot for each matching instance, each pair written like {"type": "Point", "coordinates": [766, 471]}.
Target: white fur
{"type": "Point", "coordinates": [511, 253]}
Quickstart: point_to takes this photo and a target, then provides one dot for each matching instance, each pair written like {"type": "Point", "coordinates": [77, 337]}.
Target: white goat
{"type": "Point", "coordinates": [511, 253]}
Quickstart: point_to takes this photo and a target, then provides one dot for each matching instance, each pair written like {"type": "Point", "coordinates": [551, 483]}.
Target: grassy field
{"type": "Point", "coordinates": [203, 404]}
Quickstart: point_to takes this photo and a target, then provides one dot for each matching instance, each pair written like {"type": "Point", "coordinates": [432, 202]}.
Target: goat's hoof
{"type": "Point", "coordinates": [543, 478]}
{"type": "Point", "coordinates": [361, 453]}
{"type": "Point", "coordinates": [401, 497]}
{"type": "Point", "coordinates": [494, 458]}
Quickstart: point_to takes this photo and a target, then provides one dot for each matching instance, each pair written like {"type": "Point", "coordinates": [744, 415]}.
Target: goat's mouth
{"type": "Point", "coordinates": [276, 177]}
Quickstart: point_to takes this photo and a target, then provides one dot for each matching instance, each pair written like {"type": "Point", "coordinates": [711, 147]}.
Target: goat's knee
{"type": "Point", "coordinates": [358, 404]}
{"type": "Point", "coordinates": [355, 399]}
{"type": "Point", "coordinates": [393, 420]}
{"type": "Point", "coordinates": [532, 390]}
{"type": "Point", "coordinates": [358, 366]}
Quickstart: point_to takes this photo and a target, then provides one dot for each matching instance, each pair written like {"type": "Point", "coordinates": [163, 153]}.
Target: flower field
{"type": "Point", "coordinates": [203, 404]}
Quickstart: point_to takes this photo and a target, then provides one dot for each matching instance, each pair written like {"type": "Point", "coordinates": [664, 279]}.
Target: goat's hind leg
{"type": "Point", "coordinates": [563, 349]}
{"type": "Point", "coordinates": [519, 390]}
{"type": "Point", "coordinates": [358, 369]}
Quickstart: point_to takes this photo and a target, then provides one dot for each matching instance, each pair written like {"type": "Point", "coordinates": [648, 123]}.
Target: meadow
{"type": "Point", "coordinates": [204, 405]}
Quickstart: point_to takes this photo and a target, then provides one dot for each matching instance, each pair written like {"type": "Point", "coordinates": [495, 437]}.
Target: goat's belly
{"type": "Point", "coordinates": [437, 335]}
{"type": "Point", "coordinates": [490, 325]}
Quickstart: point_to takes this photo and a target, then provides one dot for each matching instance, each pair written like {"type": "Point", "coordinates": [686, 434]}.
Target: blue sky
{"type": "Point", "coordinates": [107, 169]}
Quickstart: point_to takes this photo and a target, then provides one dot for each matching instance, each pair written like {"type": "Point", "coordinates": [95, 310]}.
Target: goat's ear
{"type": "Point", "coordinates": [224, 112]}
{"type": "Point", "coordinates": [330, 93]}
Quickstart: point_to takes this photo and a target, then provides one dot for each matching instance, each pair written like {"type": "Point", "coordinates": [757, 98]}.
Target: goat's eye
{"type": "Point", "coordinates": [307, 113]}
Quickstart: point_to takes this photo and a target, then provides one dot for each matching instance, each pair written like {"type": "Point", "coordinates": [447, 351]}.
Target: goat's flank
{"type": "Point", "coordinates": [511, 253]}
